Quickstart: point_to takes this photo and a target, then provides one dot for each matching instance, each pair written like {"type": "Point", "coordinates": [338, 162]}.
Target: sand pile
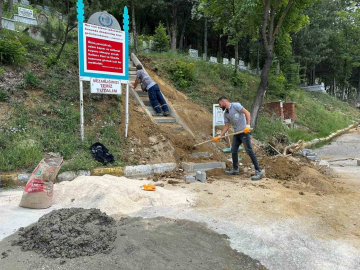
{"type": "Point", "coordinates": [283, 168]}
{"type": "Point", "coordinates": [69, 233]}
{"type": "Point", "coordinates": [116, 195]}
{"type": "Point", "coordinates": [313, 180]}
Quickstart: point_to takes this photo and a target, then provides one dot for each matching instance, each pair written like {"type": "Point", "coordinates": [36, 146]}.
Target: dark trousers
{"type": "Point", "coordinates": [244, 139]}
{"type": "Point", "coordinates": [156, 97]}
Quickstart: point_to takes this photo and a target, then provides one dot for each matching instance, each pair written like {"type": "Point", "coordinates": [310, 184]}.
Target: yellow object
{"type": "Point", "coordinates": [149, 187]}
{"type": "Point", "coordinates": [247, 129]}
{"type": "Point", "coordinates": [216, 139]}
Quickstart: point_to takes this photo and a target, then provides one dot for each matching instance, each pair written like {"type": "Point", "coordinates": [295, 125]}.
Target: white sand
{"type": "Point", "coordinates": [110, 194]}
{"type": "Point", "coordinates": [116, 195]}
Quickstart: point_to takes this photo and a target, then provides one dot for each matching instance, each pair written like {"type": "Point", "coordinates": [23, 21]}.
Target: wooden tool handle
{"type": "Point", "coordinates": [232, 134]}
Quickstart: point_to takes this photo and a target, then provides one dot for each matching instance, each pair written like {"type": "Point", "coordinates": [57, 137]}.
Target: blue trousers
{"type": "Point", "coordinates": [244, 139]}
{"type": "Point", "coordinates": [156, 97]}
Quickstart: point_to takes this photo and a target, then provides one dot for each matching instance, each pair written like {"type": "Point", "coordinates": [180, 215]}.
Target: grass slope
{"type": "Point", "coordinates": [317, 114]}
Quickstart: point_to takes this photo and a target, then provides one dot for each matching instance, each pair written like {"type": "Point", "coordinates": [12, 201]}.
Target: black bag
{"type": "Point", "coordinates": [101, 153]}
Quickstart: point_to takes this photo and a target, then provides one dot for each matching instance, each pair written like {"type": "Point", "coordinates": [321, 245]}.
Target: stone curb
{"type": "Point", "coordinates": [128, 171]}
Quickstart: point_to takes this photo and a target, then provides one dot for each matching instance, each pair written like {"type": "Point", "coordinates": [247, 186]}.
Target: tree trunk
{"type": "Point", "coordinates": [1, 11]}
{"type": "Point", "coordinates": [205, 39]}
{"type": "Point", "coordinates": [168, 30]}
{"type": "Point", "coordinates": [11, 4]}
{"type": "Point", "coordinates": [68, 29]}
{"type": "Point", "coordinates": [258, 60]}
{"type": "Point", "coordinates": [134, 26]}
{"type": "Point", "coordinates": [261, 91]}
{"type": "Point", "coordinates": [358, 91]}
{"type": "Point", "coordinates": [314, 75]}
{"type": "Point", "coordinates": [220, 54]}
{"type": "Point", "coordinates": [236, 56]}
{"type": "Point", "coordinates": [187, 18]}
{"type": "Point", "coordinates": [174, 27]}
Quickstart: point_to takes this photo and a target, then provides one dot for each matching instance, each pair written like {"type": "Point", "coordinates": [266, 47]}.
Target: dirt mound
{"type": "Point", "coordinates": [69, 233]}
{"type": "Point", "coordinates": [215, 173]}
{"type": "Point", "coordinates": [313, 180]}
{"type": "Point", "coordinates": [279, 167]}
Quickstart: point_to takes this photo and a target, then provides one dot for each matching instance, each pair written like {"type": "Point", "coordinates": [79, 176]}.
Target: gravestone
{"type": "Point", "coordinates": [24, 12]}
{"type": "Point", "coordinates": [39, 7]}
{"type": "Point", "coordinates": [25, 2]}
{"type": "Point", "coordinates": [193, 53]}
{"type": "Point", "coordinates": [47, 10]}
{"type": "Point", "coordinates": [42, 18]}
{"type": "Point", "coordinates": [8, 24]}
{"type": "Point", "coordinates": [225, 61]}
{"type": "Point", "coordinates": [151, 44]}
{"type": "Point", "coordinates": [15, 1]}
{"type": "Point", "coordinates": [145, 45]}
{"type": "Point", "coordinates": [233, 61]}
{"type": "Point", "coordinates": [213, 59]}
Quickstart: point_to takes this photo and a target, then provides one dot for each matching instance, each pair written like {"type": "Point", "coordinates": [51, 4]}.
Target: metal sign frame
{"type": "Point", "coordinates": [86, 76]}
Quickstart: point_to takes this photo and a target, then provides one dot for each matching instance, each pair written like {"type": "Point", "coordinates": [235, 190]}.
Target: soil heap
{"type": "Point", "coordinates": [69, 233]}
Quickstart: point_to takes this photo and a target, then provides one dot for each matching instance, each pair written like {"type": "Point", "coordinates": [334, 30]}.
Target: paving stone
{"type": "Point", "coordinates": [194, 167]}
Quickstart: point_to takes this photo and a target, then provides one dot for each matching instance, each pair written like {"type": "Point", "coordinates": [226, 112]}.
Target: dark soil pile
{"type": "Point", "coordinates": [279, 167]}
{"type": "Point", "coordinates": [69, 233]}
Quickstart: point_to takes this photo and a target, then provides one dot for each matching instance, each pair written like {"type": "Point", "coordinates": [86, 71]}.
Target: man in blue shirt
{"type": "Point", "coordinates": [239, 118]}
{"type": "Point", "coordinates": [148, 85]}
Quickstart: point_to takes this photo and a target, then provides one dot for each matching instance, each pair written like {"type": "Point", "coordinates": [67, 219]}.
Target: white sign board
{"type": "Point", "coordinates": [213, 59]}
{"type": "Point", "coordinates": [218, 117]}
{"type": "Point", "coordinates": [25, 12]}
{"type": "Point", "coordinates": [194, 53]}
{"type": "Point", "coordinates": [105, 86]}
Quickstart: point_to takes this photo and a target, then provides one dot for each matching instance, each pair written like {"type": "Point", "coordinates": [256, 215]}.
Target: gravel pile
{"type": "Point", "coordinates": [69, 233]}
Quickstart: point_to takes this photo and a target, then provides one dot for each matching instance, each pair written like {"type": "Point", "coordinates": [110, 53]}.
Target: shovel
{"type": "Point", "coordinates": [232, 134]}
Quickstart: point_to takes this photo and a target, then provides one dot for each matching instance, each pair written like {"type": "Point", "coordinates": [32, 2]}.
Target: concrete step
{"type": "Point", "coordinates": [142, 94]}
{"type": "Point", "coordinates": [132, 72]}
{"type": "Point", "coordinates": [146, 102]}
{"type": "Point", "coordinates": [164, 119]}
{"type": "Point", "coordinates": [175, 126]}
{"type": "Point", "coordinates": [194, 167]}
{"type": "Point", "coordinates": [132, 68]}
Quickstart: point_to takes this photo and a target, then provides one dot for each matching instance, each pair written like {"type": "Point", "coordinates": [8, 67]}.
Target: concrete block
{"type": "Point", "coordinates": [164, 167]}
{"type": "Point", "coordinates": [194, 167]}
{"type": "Point", "coordinates": [66, 176]}
{"type": "Point", "coordinates": [201, 176]}
{"type": "Point", "coordinates": [358, 162]}
{"type": "Point", "coordinates": [141, 170]}
{"type": "Point", "coordinates": [190, 178]}
{"type": "Point", "coordinates": [312, 157]}
{"type": "Point", "coordinates": [324, 163]}
{"type": "Point", "coordinates": [200, 154]}
{"type": "Point", "coordinates": [117, 171]}
{"type": "Point", "coordinates": [23, 178]}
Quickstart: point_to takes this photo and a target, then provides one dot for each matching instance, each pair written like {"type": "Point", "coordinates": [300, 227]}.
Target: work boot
{"type": "Point", "coordinates": [258, 175]}
{"type": "Point", "coordinates": [232, 172]}
{"type": "Point", "coordinates": [166, 113]}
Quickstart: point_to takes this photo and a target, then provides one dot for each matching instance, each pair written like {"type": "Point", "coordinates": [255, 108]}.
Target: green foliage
{"type": "Point", "coordinates": [51, 60]}
{"type": "Point", "coordinates": [161, 39]}
{"type": "Point", "coordinates": [30, 79]}
{"type": "Point", "coordinates": [11, 52]}
{"type": "Point", "coordinates": [182, 73]}
{"type": "Point", "coordinates": [277, 85]}
{"type": "Point", "coordinates": [47, 32]}
{"type": "Point", "coordinates": [2, 71]}
{"type": "Point", "coordinates": [238, 80]}
{"type": "Point", "coordinates": [4, 95]}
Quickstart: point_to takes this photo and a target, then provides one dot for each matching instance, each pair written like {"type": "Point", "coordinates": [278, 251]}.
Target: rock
{"type": "Point", "coordinates": [324, 163]}
{"type": "Point", "coordinates": [301, 193]}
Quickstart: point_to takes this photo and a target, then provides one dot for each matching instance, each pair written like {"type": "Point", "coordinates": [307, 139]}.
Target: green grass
{"type": "Point", "coordinates": [317, 114]}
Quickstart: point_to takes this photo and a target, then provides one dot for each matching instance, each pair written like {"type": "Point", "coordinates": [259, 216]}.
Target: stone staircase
{"type": "Point", "coordinates": [144, 98]}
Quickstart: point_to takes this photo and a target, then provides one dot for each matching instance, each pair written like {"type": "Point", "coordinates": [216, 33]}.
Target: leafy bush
{"type": "Point", "coordinates": [182, 73]}
{"type": "Point", "coordinates": [238, 80]}
{"type": "Point", "coordinates": [277, 85]}
{"type": "Point", "coordinates": [51, 60]}
{"type": "Point", "coordinates": [4, 95]}
{"type": "Point", "coordinates": [161, 39]}
{"type": "Point", "coordinates": [11, 52]}
{"type": "Point", "coordinates": [30, 79]}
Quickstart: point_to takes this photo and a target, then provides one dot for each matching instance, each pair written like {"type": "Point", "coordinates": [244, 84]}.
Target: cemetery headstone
{"type": "Point", "coordinates": [233, 61]}
{"type": "Point", "coordinates": [194, 53]}
{"type": "Point", "coordinates": [25, 12]}
{"type": "Point", "coordinates": [42, 18]}
{"type": "Point", "coordinates": [225, 61]}
{"type": "Point", "coordinates": [213, 59]}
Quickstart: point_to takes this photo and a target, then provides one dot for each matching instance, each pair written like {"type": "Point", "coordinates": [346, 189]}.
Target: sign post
{"type": "Point", "coordinates": [218, 117]}
{"type": "Point", "coordinates": [103, 56]}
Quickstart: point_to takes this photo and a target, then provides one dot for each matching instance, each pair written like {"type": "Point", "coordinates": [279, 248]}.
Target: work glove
{"type": "Point", "coordinates": [247, 129]}
{"type": "Point", "coordinates": [216, 139]}
{"type": "Point", "coordinates": [149, 187]}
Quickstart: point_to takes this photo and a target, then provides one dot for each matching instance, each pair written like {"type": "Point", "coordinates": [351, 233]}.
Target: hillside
{"type": "Point", "coordinates": [39, 110]}
{"type": "Point", "coordinates": [317, 114]}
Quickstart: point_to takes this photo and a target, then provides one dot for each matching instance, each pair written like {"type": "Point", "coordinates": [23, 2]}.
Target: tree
{"type": "Point", "coordinates": [134, 26]}
{"type": "Point", "coordinates": [274, 13]}
{"type": "Point", "coordinates": [1, 11]}
{"type": "Point", "coordinates": [161, 39]}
